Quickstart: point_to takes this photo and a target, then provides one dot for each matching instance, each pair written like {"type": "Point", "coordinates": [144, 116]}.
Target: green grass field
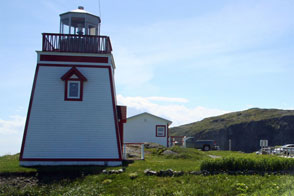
{"type": "Point", "coordinates": [90, 180]}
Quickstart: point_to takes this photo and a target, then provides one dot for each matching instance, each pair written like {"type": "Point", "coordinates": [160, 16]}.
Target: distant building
{"type": "Point", "coordinates": [146, 127]}
{"type": "Point", "coordinates": [73, 118]}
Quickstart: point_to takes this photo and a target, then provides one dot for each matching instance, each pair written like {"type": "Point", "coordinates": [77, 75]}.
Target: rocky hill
{"type": "Point", "coordinates": [245, 129]}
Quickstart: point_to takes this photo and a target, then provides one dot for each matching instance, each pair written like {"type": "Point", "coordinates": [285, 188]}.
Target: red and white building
{"type": "Point", "coordinates": [146, 127]}
{"type": "Point", "coordinates": [72, 117]}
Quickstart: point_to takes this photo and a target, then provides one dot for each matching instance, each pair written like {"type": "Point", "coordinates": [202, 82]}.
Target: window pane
{"type": "Point", "coordinates": [160, 131]}
{"type": "Point", "coordinates": [73, 89]}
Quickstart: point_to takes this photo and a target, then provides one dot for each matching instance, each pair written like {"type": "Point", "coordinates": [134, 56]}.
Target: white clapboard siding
{"type": "Point", "coordinates": [71, 129]}
{"type": "Point", "coordinates": [142, 128]}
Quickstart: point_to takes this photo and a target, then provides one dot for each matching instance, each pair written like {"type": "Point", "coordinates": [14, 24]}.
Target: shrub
{"type": "Point", "coordinates": [263, 164]}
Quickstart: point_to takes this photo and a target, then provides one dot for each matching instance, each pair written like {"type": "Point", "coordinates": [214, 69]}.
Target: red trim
{"type": "Point", "coordinates": [164, 130]}
{"type": "Point", "coordinates": [62, 65]}
{"type": "Point", "coordinates": [122, 118]}
{"type": "Point", "coordinates": [29, 113]}
{"type": "Point", "coordinates": [121, 132]}
{"type": "Point", "coordinates": [167, 144]}
{"type": "Point", "coordinates": [115, 114]}
{"type": "Point", "coordinates": [123, 113]}
{"type": "Point", "coordinates": [64, 58]}
{"type": "Point", "coordinates": [71, 159]}
{"type": "Point", "coordinates": [71, 72]}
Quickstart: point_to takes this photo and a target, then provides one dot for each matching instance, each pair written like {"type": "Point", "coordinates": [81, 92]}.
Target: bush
{"type": "Point", "coordinates": [263, 164]}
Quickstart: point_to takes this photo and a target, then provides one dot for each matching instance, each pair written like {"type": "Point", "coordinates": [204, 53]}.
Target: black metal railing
{"type": "Point", "coordinates": [53, 42]}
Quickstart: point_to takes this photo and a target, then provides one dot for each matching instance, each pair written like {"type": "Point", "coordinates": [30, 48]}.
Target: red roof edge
{"type": "Point", "coordinates": [73, 71]}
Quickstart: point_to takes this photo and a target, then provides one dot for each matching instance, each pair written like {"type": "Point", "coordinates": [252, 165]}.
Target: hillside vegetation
{"type": "Point", "coordinates": [227, 120]}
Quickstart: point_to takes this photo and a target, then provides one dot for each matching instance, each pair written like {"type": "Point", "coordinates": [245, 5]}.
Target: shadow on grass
{"type": "Point", "coordinates": [52, 174]}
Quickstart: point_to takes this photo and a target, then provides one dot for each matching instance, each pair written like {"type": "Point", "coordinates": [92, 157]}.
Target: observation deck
{"type": "Point", "coordinates": [97, 44]}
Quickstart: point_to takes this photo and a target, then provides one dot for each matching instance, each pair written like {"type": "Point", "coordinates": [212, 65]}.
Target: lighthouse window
{"type": "Point", "coordinates": [160, 131]}
{"type": "Point", "coordinates": [73, 90]}
{"type": "Point", "coordinates": [74, 80]}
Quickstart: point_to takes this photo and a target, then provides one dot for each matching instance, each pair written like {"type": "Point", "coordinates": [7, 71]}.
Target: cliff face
{"type": "Point", "coordinates": [245, 134]}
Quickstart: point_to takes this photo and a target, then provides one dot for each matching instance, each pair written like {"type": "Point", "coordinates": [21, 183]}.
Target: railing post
{"type": "Point", "coordinates": [184, 142]}
{"type": "Point", "coordinates": [76, 43]}
{"type": "Point", "coordinates": [142, 151]}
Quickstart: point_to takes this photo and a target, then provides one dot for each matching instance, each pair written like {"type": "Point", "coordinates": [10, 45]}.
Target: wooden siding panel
{"type": "Point", "coordinates": [71, 129]}
{"type": "Point", "coordinates": [137, 130]}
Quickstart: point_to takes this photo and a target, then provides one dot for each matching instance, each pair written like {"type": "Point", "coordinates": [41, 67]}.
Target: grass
{"type": "Point", "coordinates": [134, 182]}
{"type": "Point", "coordinates": [10, 164]}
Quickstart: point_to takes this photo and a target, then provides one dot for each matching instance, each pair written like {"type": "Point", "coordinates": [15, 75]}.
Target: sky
{"type": "Point", "coordinates": [181, 60]}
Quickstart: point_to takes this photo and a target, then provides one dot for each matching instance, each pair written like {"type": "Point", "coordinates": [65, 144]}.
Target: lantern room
{"type": "Point", "coordinates": [79, 32]}
{"type": "Point", "coordinates": [79, 22]}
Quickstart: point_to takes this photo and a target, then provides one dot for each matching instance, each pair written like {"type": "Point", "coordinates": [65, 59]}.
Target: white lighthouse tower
{"type": "Point", "coordinates": [72, 117]}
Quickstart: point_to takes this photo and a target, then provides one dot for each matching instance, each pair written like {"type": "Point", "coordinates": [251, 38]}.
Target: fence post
{"type": "Point", "coordinates": [142, 151]}
{"type": "Point", "coordinates": [230, 144]}
{"type": "Point", "coordinates": [125, 152]}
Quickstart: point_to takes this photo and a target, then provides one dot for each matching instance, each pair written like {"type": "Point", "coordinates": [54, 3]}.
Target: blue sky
{"type": "Point", "coordinates": [182, 60]}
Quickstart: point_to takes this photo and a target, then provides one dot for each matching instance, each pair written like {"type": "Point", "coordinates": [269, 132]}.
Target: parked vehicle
{"type": "Point", "coordinates": [204, 145]}
{"type": "Point", "coordinates": [288, 149]}
{"type": "Point", "coordinates": [287, 146]}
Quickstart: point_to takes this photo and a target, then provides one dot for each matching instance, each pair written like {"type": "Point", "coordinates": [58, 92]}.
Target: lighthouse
{"type": "Point", "coordinates": [73, 117]}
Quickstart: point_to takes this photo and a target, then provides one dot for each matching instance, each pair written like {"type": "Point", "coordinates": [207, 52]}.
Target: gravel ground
{"type": "Point", "coordinates": [18, 181]}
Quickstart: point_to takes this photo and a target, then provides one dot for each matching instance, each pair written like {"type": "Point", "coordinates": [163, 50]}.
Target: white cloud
{"type": "Point", "coordinates": [174, 110]}
{"type": "Point", "coordinates": [132, 70]}
{"type": "Point", "coordinates": [11, 132]}
{"type": "Point", "coordinates": [12, 126]}
{"type": "Point", "coordinates": [219, 40]}
{"type": "Point", "coordinates": [167, 99]}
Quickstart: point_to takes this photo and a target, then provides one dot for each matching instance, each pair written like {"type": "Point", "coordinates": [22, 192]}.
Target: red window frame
{"type": "Point", "coordinates": [67, 79]}
{"type": "Point", "coordinates": [157, 126]}
{"type": "Point", "coordinates": [66, 95]}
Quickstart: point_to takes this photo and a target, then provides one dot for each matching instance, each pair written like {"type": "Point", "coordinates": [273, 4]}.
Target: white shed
{"type": "Point", "coordinates": [146, 127]}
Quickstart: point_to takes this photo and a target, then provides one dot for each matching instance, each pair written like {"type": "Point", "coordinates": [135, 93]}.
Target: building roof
{"type": "Point", "coordinates": [146, 113]}
{"type": "Point", "coordinates": [73, 71]}
{"type": "Point", "coordinates": [80, 10]}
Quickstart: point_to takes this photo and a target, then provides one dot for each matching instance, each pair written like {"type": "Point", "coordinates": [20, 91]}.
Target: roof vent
{"type": "Point", "coordinates": [81, 7]}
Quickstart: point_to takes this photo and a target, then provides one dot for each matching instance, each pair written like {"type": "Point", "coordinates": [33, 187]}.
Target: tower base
{"type": "Point", "coordinates": [57, 163]}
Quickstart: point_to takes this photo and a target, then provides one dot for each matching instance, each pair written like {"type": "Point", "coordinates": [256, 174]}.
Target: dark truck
{"type": "Point", "coordinates": [205, 145]}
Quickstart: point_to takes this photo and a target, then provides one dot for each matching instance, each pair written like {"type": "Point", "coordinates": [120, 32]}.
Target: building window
{"type": "Point", "coordinates": [74, 80]}
{"type": "Point", "coordinates": [160, 130]}
{"type": "Point", "coordinates": [73, 91]}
